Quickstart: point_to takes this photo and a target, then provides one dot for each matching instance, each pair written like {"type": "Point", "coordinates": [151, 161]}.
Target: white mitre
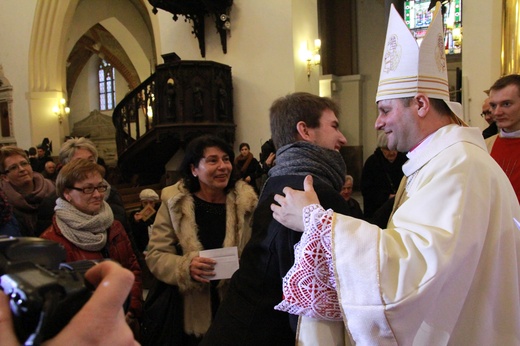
{"type": "Point", "coordinates": [408, 69]}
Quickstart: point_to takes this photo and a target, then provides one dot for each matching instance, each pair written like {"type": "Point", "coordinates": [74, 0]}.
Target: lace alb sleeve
{"type": "Point", "coordinates": [309, 288]}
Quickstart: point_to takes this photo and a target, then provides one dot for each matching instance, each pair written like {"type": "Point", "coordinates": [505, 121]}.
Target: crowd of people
{"type": "Point", "coordinates": [433, 259]}
{"type": "Point", "coordinates": [71, 203]}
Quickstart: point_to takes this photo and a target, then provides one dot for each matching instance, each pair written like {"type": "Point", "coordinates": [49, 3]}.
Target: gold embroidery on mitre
{"type": "Point", "coordinates": [392, 54]}
{"type": "Point", "coordinates": [440, 55]}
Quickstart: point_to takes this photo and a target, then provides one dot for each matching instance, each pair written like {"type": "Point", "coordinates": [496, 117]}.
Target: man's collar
{"type": "Point", "coordinates": [514, 134]}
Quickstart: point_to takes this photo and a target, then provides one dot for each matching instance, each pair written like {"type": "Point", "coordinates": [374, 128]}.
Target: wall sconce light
{"type": "Point", "coordinates": [61, 109]}
{"type": "Point", "coordinates": [312, 56]}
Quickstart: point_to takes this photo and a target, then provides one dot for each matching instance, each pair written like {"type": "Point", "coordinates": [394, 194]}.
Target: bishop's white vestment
{"type": "Point", "coordinates": [446, 271]}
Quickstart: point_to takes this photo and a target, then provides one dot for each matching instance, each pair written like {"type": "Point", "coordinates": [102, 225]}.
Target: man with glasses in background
{"type": "Point", "coordinates": [487, 114]}
{"type": "Point", "coordinates": [25, 191]}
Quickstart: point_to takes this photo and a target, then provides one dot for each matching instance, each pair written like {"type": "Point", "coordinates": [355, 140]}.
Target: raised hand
{"type": "Point", "coordinates": [288, 211]}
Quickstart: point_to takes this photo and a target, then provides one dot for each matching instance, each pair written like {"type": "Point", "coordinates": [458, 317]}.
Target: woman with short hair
{"type": "Point", "coordinates": [84, 224]}
{"type": "Point", "coordinates": [26, 191]}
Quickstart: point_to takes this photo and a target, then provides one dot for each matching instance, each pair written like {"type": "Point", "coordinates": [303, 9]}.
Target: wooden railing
{"type": "Point", "coordinates": [181, 100]}
{"type": "Point", "coordinates": [134, 115]}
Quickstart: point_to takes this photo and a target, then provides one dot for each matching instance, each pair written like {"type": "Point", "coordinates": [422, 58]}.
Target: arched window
{"type": "Point", "coordinates": [107, 87]}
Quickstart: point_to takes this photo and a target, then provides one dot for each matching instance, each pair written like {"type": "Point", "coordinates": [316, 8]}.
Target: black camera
{"type": "Point", "coordinates": [44, 292]}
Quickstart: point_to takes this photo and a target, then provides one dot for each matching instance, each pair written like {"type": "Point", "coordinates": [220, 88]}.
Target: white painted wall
{"type": "Point", "coordinates": [261, 50]}
{"type": "Point", "coordinates": [16, 20]}
{"type": "Point", "coordinates": [482, 24]}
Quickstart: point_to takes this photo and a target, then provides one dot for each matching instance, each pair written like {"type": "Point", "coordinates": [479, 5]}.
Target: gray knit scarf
{"type": "Point", "coordinates": [303, 158]}
{"type": "Point", "coordinates": [88, 232]}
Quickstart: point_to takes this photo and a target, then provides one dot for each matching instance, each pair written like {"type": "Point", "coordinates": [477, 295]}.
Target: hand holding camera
{"type": "Point", "coordinates": [100, 320]}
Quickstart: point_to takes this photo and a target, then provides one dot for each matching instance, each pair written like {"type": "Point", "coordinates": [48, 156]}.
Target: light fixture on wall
{"type": "Point", "coordinates": [61, 109]}
{"type": "Point", "coordinates": [311, 56]}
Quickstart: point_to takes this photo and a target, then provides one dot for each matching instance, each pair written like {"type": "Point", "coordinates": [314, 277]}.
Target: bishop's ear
{"type": "Point", "coordinates": [423, 104]}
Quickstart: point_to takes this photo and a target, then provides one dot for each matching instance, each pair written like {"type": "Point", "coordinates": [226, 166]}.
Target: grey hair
{"type": "Point", "coordinates": [69, 148]}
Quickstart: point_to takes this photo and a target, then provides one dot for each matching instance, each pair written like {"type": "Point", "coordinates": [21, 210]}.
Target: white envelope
{"type": "Point", "coordinates": [227, 261]}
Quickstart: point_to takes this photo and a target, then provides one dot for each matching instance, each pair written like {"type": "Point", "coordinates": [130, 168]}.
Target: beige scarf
{"type": "Point", "coordinates": [88, 232]}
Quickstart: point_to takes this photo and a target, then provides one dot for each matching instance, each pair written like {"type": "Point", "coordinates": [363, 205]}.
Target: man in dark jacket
{"type": "Point", "coordinates": [41, 159]}
{"type": "Point", "coordinates": [381, 176]}
{"type": "Point", "coordinates": [305, 130]}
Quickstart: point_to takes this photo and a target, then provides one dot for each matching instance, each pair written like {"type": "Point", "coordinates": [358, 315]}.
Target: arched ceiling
{"type": "Point", "coordinates": [103, 37]}
{"type": "Point", "coordinates": [97, 40]}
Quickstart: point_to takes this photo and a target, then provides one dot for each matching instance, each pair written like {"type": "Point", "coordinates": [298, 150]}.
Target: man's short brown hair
{"type": "Point", "coordinates": [287, 111]}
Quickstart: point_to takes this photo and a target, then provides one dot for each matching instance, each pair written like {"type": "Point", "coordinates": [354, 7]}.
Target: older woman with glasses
{"type": "Point", "coordinates": [25, 190]}
{"type": "Point", "coordinates": [84, 148]}
{"type": "Point", "coordinates": [206, 209]}
{"type": "Point", "coordinates": [84, 224]}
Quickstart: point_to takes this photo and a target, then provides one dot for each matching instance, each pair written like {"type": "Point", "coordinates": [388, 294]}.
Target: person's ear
{"type": "Point", "coordinates": [4, 177]}
{"type": "Point", "coordinates": [193, 172]}
{"type": "Point", "coordinates": [67, 196]}
{"type": "Point", "coordinates": [422, 104]}
{"type": "Point", "coordinates": [303, 130]}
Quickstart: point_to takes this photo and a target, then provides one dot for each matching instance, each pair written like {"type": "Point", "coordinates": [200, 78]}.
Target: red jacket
{"type": "Point", "coordinates": [119, 249]}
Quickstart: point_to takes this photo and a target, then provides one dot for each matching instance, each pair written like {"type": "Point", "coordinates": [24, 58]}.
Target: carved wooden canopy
{"type": "Point", "coordinates": [195, 11]}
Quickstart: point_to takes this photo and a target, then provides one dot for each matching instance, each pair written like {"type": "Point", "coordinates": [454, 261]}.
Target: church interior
{"type": "Point", "coordinates": [143, 77]}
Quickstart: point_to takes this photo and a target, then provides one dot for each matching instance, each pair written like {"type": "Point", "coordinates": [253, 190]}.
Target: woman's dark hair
{"type": "Point", "coordinates": [244, 145]}
{"type": "Point", "coordinates": [195, 152]}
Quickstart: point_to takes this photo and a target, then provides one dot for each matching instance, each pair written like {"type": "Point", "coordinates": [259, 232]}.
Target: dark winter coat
{"type": "Point", "coordinates": [246, 315]}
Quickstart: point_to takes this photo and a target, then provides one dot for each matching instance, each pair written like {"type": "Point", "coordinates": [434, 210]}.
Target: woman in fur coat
{"type": "Point", "coordinates": [206, 209]}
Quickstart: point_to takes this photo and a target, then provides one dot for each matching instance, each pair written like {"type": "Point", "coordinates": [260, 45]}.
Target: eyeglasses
{"type": "Point", "coordinates": [16, 167]}
{"type": "Point", "coordinates": [486, 113]}
{"type": "Point", "coordinates": [90, 190]}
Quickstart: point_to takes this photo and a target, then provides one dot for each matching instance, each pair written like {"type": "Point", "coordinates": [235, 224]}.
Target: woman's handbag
{"type": "Point", "coordinates": [163, 314]}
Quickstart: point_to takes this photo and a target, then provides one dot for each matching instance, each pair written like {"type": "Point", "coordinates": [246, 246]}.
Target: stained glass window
{"type": "Point", "coordinates": [418, 18]}
{"type": "Point", "coordinates": [107, 94]}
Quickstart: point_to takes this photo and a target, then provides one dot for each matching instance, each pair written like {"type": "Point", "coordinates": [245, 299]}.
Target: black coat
{"type": "Point", "coordinates": [246, 315]}
{"type": "Point", "coordinates": [380, 178]}
{"type": "Point", "coordinates": [491, 130]}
